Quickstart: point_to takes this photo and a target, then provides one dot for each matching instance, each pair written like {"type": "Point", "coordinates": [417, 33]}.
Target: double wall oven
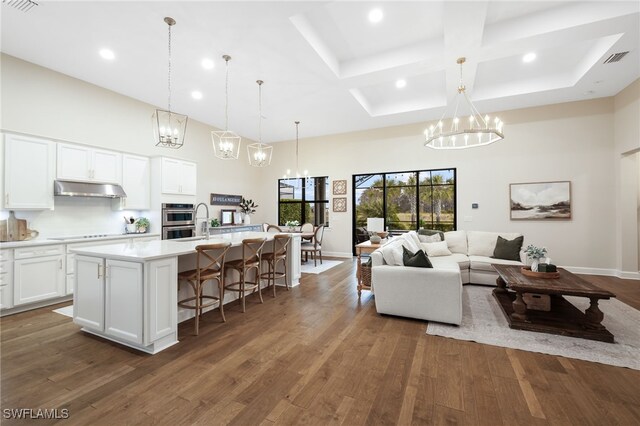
{"type": "Point", "coordinates": [178, 221]}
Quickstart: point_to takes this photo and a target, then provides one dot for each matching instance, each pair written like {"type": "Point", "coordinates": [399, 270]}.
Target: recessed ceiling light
{"type": "Point", "coordinates": [401, 83]}
{"type": "Point", "coordinates": [376, 16]}
{"type": "Point", "coordinates": [107, 54]}
{"type": "Point", "coordinates": [529, 57]}
{"type": "Point", "coordinates": [208, 64]}
{"type": "Point", "coordinates": [196, 94]}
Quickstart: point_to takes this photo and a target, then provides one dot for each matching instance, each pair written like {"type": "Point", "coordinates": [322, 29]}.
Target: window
{"type": "Point", "coordinates": [406, 200]}
{"type": "Point", "coordinates": [304, 200]}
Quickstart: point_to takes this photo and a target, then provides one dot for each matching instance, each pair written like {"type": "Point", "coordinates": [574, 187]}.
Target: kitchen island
{"type": "Point", "coordinates": [128, 293]}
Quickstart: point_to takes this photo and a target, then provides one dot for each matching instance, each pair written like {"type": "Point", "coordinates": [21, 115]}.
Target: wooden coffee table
{"type": "Point", "coordinates": [561, 317]}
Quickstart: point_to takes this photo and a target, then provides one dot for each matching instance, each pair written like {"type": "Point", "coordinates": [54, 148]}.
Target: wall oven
{"type": "Point", "coordinates": [178, 221]}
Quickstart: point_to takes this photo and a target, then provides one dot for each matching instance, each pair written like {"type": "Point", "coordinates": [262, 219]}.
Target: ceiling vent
{"type": "Point", "coordinates": [22, 5]}
{"type": "Point", "coordinates": [615, 57]}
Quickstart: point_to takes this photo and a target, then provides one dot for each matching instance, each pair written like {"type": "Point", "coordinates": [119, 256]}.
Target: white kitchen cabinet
{"type": "Point", "coordinates": [136, 182]}
{"type": "Point", "coordinates": [81, 163]}
{"type": "Point", "coordinates": [88, 305]}
{"type": "Point", "coordinates": [6, 279]}
{"type": "Point", "coordinates": [29, 167]}
{"type": "Point", "coordinates": [123, 300]}
{"type": "Point", "coordinates": [160, 299]}
{"type": "Point", "coordinates": [38, 278]}
{"type": "Point", "coordinates": [178, 177]}
{"type": "Point", "coordinates": [129, 302]}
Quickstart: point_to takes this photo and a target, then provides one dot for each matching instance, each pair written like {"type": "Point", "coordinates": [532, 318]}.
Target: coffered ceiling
{"type": "Point", "coordinates": [326, 64]}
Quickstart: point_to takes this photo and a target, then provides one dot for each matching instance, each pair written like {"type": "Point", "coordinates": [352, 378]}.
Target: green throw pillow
{"type": "Point", "coordinates": [430, 232]}
{"type": "Point", "coordinates": [418, 259]}
{"type": "Point", "coordinates": [508, 249]}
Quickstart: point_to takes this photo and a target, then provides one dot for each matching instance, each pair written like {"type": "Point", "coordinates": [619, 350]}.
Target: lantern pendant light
{"type": "Point", "coordinates": [259, 153]}
{"type": "Point", "coordinates": [169, 127]}
{"type": "Point", "coordinates": [226, 144]}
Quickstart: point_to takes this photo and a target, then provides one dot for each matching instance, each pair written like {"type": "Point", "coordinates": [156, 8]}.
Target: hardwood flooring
{"type": "Point", "coordinates": [313, 355]}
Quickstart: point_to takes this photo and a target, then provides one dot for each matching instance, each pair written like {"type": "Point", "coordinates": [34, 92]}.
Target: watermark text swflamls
{"type": "Point", "coordinates": [35, 413]}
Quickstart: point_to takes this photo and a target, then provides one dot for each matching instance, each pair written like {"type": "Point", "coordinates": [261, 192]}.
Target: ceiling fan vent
{"type": "Point", "coordinates": [615, 57]}
{"type": "Point", "coordinates": [22, 5]}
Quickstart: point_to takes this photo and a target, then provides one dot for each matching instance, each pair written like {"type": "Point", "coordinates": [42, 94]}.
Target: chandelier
{"type": "Point", "coordinates": [169, 127]}
{"type": "Point", "coordinates": [259, 153]}
{"type": "Point", "coordinates": [288, 174]}
{"type": "Point", "coordinates": [461, 131]}
{"type": "Point", "coordinates": [226, 144]}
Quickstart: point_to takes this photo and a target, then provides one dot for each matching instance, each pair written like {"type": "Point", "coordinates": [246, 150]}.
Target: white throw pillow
{"type": "Point", "coordinates": [437, 249]}
{"type": "Point", "coordinates": [409, 242]}
{"type": "Point", "coordinates": [390, 252]}
{"type": "Point", "coordinates": [415, 238]}
{"type": "Point", "coordinates": [457, 241]}
{"type": "Point", "coordinates": [429, 238]}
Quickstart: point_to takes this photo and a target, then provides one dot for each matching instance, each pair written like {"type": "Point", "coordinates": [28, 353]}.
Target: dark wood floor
{"type": "Point", "coordinates": [313, 355]}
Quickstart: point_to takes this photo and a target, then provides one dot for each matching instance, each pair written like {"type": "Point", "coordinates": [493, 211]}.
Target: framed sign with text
{"type": "Point", "coordinates": [225, 200]}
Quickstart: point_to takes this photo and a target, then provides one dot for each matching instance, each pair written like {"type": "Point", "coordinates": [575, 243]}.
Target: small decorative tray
{"type": "Point", "coordinates": [545, 275]}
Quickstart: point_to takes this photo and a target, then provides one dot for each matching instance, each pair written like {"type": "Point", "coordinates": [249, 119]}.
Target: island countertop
{"type": "Point", "coordinates": [152, 250]}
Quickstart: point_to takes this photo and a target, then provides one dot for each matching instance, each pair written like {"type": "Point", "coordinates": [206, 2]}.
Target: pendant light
{"type": "Point", "coordinates": [169, 127]}
{"type": "Point", "coordinates": [460, 133]}
{"type": "Point", "coordinates": [226, 144]}
{"type": "Point", "coordinates": [297, 175]}
{"type": "Point", "coordinates": [259, 153]}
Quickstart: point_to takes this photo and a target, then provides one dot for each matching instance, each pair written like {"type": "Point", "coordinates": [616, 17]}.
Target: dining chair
{"type": "Point", "coordinates": [274, 228]}
{"type": "Point", "coordinates": [315, 246]}
{"type": "Point", "coordinates": [209, 267]}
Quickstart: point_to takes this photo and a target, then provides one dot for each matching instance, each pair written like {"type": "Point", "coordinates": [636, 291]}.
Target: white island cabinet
{"type": "Point", "coordinates": [112, 298]}
{"type": "Point", "coordinates": [128, 293]}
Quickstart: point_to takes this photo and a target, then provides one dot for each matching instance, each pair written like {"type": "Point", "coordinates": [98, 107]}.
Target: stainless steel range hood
{"type": "Point", "coordinates": [85, 189]}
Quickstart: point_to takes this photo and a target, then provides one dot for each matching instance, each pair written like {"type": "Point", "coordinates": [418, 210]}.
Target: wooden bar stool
{"type": "Point", "coordinates": [251, 259]}
{"type": "Point", "coordinates": [209, 267]}
{"type": "Point", "coordinates": [277, 255]}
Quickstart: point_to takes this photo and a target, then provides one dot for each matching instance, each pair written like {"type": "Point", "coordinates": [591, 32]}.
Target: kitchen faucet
{"type": "Point", "coordinates": [205, 225]}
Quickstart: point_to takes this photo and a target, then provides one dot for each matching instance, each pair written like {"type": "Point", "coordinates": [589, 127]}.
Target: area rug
{"type": "Point", "coordinates": [484, 322]}
{"type": "Point", "coordinates": [308, 268]}
{"type": "Point", "coordinates": [67, 311]}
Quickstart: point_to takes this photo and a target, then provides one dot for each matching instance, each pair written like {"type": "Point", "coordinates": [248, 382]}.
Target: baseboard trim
{"type": "Point", "coordinates": [337, 254]}
{"type": "Point", "coordinates": [628, 275]}
{"type": "Point", "coordinates": [605, 272]}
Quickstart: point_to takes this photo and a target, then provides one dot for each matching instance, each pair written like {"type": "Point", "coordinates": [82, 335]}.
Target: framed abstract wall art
{"type": "Point", "coordinates": [340, 204]}
{"type": "Point", "coordinates": [339, 187]}
{"type": "Point", "coordinates": [540, 200]}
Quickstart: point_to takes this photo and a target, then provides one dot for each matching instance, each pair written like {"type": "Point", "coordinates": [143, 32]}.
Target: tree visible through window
{"type": "Point", "coordinates": [303, 200]}
{"type": "Point", "coordinates": [407, 200]}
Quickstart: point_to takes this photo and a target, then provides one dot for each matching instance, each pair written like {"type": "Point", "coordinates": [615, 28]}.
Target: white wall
{"type": "Point", "coordinates": [559, 142]}
{"type": "Point", "coordinates": [40, 102]}
{"type": "Point", "coordinates": [627, 173]}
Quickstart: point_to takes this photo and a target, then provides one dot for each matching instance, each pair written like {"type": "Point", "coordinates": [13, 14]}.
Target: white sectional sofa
{"type": "Point", "coordinates": [434, 294]}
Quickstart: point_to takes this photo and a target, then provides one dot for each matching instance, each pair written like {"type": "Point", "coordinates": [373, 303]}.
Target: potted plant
{"type": "Point", "coordinates": [142, 223]}
{"type": "Point", "coordinates": [535, 254]}
{"type": "Point", "coordinates": [215, 223]}
{"type": "Point", "coordinates": [248, 207]}
{"type": "Point", "coordinates": [292, 225]}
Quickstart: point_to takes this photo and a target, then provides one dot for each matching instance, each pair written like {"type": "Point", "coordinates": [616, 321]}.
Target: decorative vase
{"type": "Point", "coordinates": [247, 219]}
{"type": "Point", "coordinates": [142, 229]}
{"type": "Point", "coordinates": [534, 265]}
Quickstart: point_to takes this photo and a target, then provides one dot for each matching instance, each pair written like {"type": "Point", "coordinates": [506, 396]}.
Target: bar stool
{"type": "Point", "coordinates": [277, 255]}
{"type": "Point", "coordinates": [212, 256]}
{"type": "Point", "coordinates": [251, 259]}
